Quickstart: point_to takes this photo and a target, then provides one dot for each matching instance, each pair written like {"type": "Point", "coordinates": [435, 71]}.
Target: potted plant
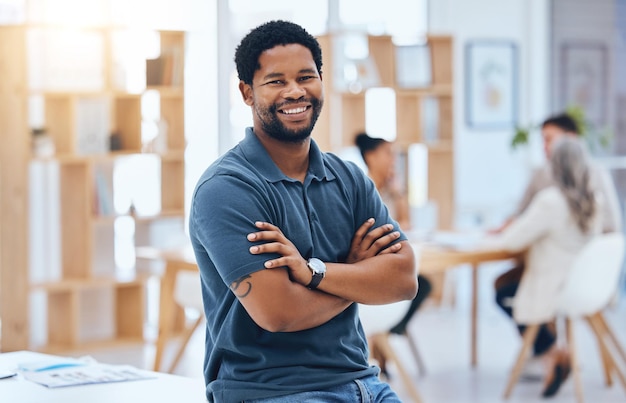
{"type": "Point", "coordinates": [598, 139]}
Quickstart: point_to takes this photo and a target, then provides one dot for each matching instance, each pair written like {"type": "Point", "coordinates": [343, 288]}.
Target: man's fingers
{"type": "Point", "coordinates": [377, 234]}
{"type": "Point", "coordinates": [270, 247]}
{"type": "Point", "coordinates": [385, 240]}
{"type": "Point", "coordinates": [267, 226]}
{"type": "Point", "coordinates": [280, 262]}
{"type": "Point", "coordinates": [392, 249]}
{"type": "Point", "coordinates": [362, 230]}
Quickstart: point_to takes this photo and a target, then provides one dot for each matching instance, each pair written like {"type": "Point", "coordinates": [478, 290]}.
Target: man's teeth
{"type": "Point", "coordinates": [292, 111]}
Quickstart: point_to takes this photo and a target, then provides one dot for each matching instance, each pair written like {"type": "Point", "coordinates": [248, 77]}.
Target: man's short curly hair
{"type": "Point", "coordinates": [267, 36]}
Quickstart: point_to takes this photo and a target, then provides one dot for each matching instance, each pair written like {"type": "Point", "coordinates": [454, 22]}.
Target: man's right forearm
{"type": "Point", "coordinates": [278, 304]}
{"type": "Point", "coordinates": [312, 308]}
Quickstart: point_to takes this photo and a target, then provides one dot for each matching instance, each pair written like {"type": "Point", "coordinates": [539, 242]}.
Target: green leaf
{"type": "Point", "coordinates": [578, 114]}
{"type": "Point", "coordinates": [520, 138]}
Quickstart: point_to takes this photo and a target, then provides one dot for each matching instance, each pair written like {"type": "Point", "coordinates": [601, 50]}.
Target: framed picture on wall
{"type": "Point", "coordinates": [491, 84]}
{"type": "Point", "coordinates": [584, 74]}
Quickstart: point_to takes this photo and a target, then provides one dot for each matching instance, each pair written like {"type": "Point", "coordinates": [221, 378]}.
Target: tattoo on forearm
{"type": "Point", "coordinates": [238, 283]}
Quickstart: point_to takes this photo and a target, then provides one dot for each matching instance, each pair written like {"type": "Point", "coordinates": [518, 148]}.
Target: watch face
{"type": "Point", "coordinates": [317, 265]}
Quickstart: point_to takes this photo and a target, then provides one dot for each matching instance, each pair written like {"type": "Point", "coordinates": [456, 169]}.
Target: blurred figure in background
{"type": "Point", "coordinates": [506, 285]}
{"type": "Point", "coordinates": [558, 222]}
{"type": "Point", "coordinates": [379, 157]}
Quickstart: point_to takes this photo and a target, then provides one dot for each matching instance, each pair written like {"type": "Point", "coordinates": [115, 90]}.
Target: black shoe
{"type": "Point", "coordinates": [400, 329]}
{"type": "Point", "coordinates": [559, 375]}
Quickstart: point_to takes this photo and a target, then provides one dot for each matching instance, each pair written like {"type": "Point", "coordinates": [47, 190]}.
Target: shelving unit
{"type": "Point", "coordinates": [76, 121]}
{"type": "Point", "coordinates": [14, 192]}
{"type": "Point", "coordinates": [344, 112]}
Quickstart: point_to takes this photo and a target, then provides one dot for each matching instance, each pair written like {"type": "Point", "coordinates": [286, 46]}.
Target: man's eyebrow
{"type": "Point", "coordinates": [273, 75]}
{"type": "Point", "coordinates": [280, 75]}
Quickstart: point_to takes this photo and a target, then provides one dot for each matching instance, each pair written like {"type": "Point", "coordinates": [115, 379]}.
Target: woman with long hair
{"type": "Point", "coordinates": [559, 221]}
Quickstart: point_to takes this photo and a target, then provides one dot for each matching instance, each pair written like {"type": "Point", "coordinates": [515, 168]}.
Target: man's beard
{"type": "Point", "coordinates": [277, 130]}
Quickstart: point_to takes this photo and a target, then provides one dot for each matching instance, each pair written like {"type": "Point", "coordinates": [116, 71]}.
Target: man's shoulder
{"type": "Point", "coordinates": [341, 166]}
{"type": "Point", "coordinates": [231, 166]}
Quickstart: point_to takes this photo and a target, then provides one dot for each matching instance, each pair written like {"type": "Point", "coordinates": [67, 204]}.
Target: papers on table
{"type": "Point", "coordinates": [6, 373]}
{"type": "Point", "coordinates": [456, 240]}
{"type": "Point", "coordinates": [55, 373]}
{"type": "Point", "coordinates": [53, 363]}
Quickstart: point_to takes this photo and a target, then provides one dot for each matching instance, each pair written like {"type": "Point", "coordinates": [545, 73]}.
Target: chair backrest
{"type": "Point", "coordinates": [594, 276]}
{"type": "Point", "coordinates": [187, 290]}
{"type": "Point", "coordinates": [380, 318]}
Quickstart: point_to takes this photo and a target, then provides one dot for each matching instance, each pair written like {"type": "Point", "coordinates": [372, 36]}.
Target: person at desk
{"type": "Point", "coordinates": [506, 285]}
{"type": "Point", "coordinates": [559, 221]}
{"type": "Point", "coordinates": [379, 157]}
{"type": "Point", "coordinates": [288, 240]}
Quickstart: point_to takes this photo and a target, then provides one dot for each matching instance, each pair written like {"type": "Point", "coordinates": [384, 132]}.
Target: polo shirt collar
{"type": "Point", "coordinates": [260, 159]}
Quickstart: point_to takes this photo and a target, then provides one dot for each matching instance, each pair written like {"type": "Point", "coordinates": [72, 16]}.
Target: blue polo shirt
{"type": "Point", "coordinates": [320, 216]}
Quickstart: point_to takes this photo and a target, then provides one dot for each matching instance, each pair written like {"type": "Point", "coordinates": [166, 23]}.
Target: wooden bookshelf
{"type": "Point", "coordinates": [14, 191]}
{"type": "Point", "coordinates": [344, 112]}
{"type": "Point", "coordinates": [88, 274]}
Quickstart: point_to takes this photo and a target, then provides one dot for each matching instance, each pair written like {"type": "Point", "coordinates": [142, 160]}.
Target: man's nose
{"type": "Point", "coordinates": [294, 90]}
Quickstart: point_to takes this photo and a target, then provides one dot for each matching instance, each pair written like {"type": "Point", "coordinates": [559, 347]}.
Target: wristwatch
{"type": "Point", "coordinates": [318, 269]}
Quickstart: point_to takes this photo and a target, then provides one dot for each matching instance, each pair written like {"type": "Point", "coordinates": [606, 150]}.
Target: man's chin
{"type": "Point", "coordinates": [291, 126]}
{"type": "Point", "coordinates": [295, 137]}
{"type": "Point", "coordinates": [291, 135]}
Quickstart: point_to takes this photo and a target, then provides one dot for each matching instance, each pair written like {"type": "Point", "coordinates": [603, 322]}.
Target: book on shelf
{"type": "Point", "coordinates": [167, 69]}
{"type": "Point", "coordinates": [430, 122]}
{"type": "Point", "coordinates": [104, 191]}
{"type": "Point", "coordinates": [413, 66]}
{"type": "Point", "coordinates": [92, 125]}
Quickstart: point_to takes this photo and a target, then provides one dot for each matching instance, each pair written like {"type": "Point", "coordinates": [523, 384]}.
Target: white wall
{"type": "Point", "coordinates": [201, 102]}
{"type": "Point", "coordinates": [620, 13]}
{"type": "Point", "coordinates": [489, 176]}
{"type": "Point", "coordinates": [593, 85]}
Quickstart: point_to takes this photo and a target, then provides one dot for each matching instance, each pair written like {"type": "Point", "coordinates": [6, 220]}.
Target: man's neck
{"type": "Point", "coordinates": [291, 158]}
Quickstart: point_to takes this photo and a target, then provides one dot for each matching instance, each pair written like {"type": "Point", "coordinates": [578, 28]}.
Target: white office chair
{"type": "Point", "coordinates": [591, 284]}
{"type": "Point", "coordinates": [187, 294]}
{"type": "Point", "coordinates": [376, 321]}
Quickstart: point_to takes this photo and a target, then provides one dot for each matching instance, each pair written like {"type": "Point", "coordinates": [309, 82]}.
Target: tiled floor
{"type": "Point", "coordinates": [442, 334]}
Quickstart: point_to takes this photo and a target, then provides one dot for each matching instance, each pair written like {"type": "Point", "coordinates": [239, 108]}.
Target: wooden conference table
{"type": "Point", "coordinates": [161, 388]}
{"type": "Point", "coordinates": [433, 258]}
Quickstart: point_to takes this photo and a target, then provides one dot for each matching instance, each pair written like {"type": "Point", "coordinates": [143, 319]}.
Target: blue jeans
{"type": "Point", "coordinates": [365, 390]}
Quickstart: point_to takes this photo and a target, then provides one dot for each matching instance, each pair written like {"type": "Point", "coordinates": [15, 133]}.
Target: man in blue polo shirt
{"type": "Point", "coordinates": [288, 239]}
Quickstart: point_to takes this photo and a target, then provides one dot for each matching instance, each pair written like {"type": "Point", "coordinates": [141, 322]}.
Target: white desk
{"type": "Point", "coordinates": [162, 389]}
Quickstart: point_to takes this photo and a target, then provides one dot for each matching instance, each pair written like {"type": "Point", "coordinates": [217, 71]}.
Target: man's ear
{"type": "Point", "coordinates": [246, 93]}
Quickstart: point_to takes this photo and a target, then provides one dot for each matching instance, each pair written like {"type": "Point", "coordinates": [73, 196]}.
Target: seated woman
{"type": "Point", "coordinates": [559, 221]}
{"type": "Point", "coordinates": [379, 158]}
